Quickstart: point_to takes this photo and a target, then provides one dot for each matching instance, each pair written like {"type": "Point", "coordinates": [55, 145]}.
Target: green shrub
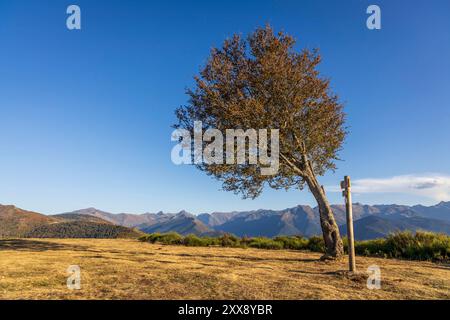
{"type": "Point", "coordinates": [144, 238]}
{"type": "Point", "coordinates": [152, 238]}
{"type": "Point", "coordinates": [194, 241]}
{"type": "Point", "coordinates": [265, 243]}
{"type": "Point", "coordinates": [316, 244]}
{"type": "Point", "coordinates": [420, 246]}
{"type": "Point", "coordinates": [293, 242]}
{"type": "Point", "coordinates": [171, 238]}
{"type": "Point", "coordinates": [229, 240]}
{"type": "Point", "coordinates": [165, 238]}
{"type": "Point", "coordinates": [245, 241]}
{"type": "Point", "coordinates": [211, 241]}
{"type": "Point", "coordinates": [406, 245]}
{"type": "Point", "coordinates": [371, 248]}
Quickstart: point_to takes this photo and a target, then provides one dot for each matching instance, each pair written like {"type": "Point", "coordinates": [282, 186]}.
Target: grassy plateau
{"type": "Point", "coordinates": [132, 269]}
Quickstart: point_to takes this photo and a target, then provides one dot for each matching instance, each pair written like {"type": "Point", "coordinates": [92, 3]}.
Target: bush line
{"type": "Point", "coordinates": [423, 246]}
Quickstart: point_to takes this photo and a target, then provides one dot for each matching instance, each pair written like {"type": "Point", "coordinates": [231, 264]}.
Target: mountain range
{"type": "Point", "coordinates": [369, 222]}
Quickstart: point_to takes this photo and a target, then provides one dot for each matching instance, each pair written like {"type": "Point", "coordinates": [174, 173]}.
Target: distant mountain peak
{"type": "Point", "coordinates": [299, 220]}
{"type": "Point", "coordinates": [90, 209]}
{"type": "Point", "coordinates": [184, 213]}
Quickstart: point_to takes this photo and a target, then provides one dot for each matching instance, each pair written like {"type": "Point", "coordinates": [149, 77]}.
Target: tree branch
{"type": "Point", "coordinates": [292, 165]}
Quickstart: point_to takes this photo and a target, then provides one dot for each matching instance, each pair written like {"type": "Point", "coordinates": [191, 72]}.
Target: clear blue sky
{"type": "Point", "coordinates": [85, 115]}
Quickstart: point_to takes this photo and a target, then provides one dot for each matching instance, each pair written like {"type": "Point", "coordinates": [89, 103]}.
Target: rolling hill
{"type": "Point", "coordinates": [18, 223]}
{"type": "Point", "coordinates": [15, 222]}
{"type": "Point", "coordinates": [81, 229]}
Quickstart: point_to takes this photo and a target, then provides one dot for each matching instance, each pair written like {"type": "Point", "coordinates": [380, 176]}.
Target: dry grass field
{"type": "Point", "coordinates": [129, 269]}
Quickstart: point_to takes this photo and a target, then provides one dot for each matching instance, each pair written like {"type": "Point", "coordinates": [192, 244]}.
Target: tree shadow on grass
{"type": "Point", "coordinates": [34, 245]}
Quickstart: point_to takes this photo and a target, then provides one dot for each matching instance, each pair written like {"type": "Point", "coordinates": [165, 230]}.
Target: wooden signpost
{"type": "Point", "coordinates": [346, 192]}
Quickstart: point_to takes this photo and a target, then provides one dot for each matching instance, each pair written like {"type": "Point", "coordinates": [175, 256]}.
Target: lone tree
{"type": "Point", "coordinates": [262, 82]}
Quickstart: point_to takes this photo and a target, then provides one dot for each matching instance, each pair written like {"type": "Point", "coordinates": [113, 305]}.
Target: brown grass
{"type": "Point", "coordinates": [128, 269]}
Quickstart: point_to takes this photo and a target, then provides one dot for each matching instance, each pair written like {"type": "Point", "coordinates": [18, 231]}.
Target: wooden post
{"type": "Point", "coordinates": [346, 186]}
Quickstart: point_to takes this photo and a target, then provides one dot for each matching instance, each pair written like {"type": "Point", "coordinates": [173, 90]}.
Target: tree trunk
{"type": "Point", "coordinates": [334, 247]}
